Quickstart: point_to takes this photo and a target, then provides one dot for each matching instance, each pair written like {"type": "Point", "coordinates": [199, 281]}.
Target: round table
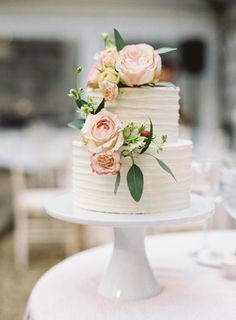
{"type": "Point", "coordinates": [69, 290]}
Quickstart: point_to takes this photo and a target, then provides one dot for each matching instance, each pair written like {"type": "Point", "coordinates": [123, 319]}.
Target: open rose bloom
{"type": "Point", "coordinates": [106, 162]}
{"type": "Point", "coordinates": [102, 132]}
{"type": "Point", "coordinates": [138, 64]}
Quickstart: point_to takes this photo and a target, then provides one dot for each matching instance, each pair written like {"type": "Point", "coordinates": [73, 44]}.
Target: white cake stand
{"type": "Point", "coordinates": [129, 276]}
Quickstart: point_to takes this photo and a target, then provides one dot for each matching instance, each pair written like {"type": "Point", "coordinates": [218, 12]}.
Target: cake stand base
{"type": "Point", "coordinates": [129, 275]}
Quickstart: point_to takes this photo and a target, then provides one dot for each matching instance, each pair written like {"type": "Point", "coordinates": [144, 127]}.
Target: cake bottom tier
{"type": "Point", "coordinates": [161, 192]}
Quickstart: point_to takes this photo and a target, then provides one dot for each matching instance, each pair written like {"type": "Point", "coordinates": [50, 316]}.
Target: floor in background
{"type": "Point", "coordinates": [15, 287]}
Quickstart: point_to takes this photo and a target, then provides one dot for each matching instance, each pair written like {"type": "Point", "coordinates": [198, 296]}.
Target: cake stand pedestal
{"type": "Point", "coordinates": [129, 275]}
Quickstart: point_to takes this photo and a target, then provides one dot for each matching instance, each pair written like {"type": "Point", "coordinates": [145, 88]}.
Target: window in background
{"type": "Point", "coordinates": [35, 76]}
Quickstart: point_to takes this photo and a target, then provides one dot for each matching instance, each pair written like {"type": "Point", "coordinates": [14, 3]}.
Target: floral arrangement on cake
{"type": "Point", "coordinates": [108, 139]}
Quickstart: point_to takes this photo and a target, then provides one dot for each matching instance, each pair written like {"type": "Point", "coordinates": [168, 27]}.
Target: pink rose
{"type": "Point", "coordinates": [106, 162]}
{"type": "Point", "coordinates": [102, 132]}
{"type": "Point", "coordinates": [109, 90]}
{"type": "Point", "coordinates": [92, 81]}
{"type": "Point", "coordinates": [138, 64]}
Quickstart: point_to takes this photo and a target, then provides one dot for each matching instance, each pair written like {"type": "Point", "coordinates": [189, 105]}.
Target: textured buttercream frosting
{"type": "Point", "coordinates": [160, 104]}
{"type": "Point", "coordinates": [161, 192]}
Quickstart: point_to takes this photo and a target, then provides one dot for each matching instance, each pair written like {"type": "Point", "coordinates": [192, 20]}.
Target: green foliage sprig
{"type": "Point", "coordinates": [85, 106]}
{"type": "Point", "coordinates": [132, 137]}
{"type": "Point", "coordinates": [137, 140]}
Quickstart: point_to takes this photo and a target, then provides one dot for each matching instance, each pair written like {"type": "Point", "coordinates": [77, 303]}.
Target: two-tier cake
{"type": "Point", "coordinates": [128, 157]}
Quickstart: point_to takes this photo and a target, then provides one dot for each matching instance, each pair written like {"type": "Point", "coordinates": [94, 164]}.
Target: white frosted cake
{"type": "Point", "coordinates": [161, 192]}
{"type": "Point", "coordinates": [128, 157]}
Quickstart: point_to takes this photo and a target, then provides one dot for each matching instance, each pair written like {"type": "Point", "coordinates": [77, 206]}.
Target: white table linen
{"type": "Point", "coordinates": [190, 291]}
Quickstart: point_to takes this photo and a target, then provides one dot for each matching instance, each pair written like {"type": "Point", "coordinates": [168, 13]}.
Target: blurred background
{"type": "Point", "coordinates": [41, 44]}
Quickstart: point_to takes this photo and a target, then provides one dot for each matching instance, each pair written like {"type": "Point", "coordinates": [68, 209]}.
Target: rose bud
{"type": "Point", "coordinates": [145, 133]}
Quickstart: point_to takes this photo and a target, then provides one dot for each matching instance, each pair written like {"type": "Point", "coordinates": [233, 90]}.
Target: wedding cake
{"type": "Point", "coordinates": [128, 157]}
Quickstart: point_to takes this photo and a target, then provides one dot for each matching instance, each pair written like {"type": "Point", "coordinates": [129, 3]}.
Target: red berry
{"type": "Point", "coordinates": [145, 133]}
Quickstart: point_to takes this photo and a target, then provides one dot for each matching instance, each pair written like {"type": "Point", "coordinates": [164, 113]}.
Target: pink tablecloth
{"type": "Point", "coordinates": [69, 290]}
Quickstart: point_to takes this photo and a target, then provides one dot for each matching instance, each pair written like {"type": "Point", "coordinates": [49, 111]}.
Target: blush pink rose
{"type": "Point", "coordinates": [102, 132]}
{"type": "Point", "coordinates": [106, 162]}
{"type": "Point", "coordinates": [138, 64]}
{"type": "Point", "coordinates": [109, 90]}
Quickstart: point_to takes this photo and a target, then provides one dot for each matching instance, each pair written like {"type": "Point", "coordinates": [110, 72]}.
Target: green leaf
{"type": "Point", "coordinates": [135, 182]}
{"type": "Point", "coordinates": [118, 40]}
{"type": "Point", "coordinates": [79, 103]}
{"type": "Point", "coordinates": [165, 84]}
{"type": "Point", "coordinates": [100, 107]}
{"type": "Point", "coordinates": [76, 94]}
{"type": "Point", "coordinates": [149, 139]}
{"type": "Point", "coordinates": [165, 50]}
{"type": "Point", "coordinates": [117, 182]}
{"type": "Point", "coordinates": [76, 124]}
{"type": "Point", "coordinates": [164, 166]}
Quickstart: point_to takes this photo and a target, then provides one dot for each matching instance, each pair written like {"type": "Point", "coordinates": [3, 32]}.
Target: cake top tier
{"type": "Point", "coordinates": [159, 104]}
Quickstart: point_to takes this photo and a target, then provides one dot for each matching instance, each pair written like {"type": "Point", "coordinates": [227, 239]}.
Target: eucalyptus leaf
{"type": "Point", "coordinates": [135, 182]}
{"type": "Point", "coordinates": [76, 124]}
{"type": "Point", "coordinates": [165, 84]}
{"type": "Point", "coordinates": [117, 182]}
{"type": "Point", "coordinates": [165, 50]}
{"type": "Point", "coordinates": [100, 107]}
{"type": "Point", "coordinates": [118, 40]}
{"type": "Point", "coordinates": [148, 139]}
{"type": "Point", "coordinates": [164, 166]}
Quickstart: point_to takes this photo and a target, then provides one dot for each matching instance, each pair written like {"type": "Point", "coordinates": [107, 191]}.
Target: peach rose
{"type": "Point", "coordinates": [106, 162]}
{"type": "Point", "coordinates": [109, 90]}
{"type": "Point", "coordinates": [102, 132]}
{"type": "Point", "coordinates": [138, 64]}
{"type": "Point", "coordinates": [107, 57]}
{"type": "Point", "coordinates": [109, 74]}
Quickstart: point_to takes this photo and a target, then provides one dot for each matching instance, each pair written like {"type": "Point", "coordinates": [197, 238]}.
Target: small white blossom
{"type": "Point", "coordinates": [86, 109]}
